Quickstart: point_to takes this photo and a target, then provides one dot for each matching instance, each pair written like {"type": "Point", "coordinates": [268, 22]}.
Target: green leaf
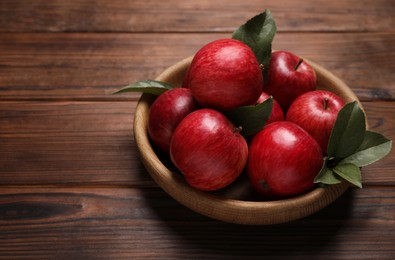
{"type": "Point", "coordinates": [348, 132]}
{"type": "Point", "coordinates": [373, 148]}
{"type": "Point", "coordinates": [146, 86]}
{"type": "Point", "coordinates": [327, 176]}
{"type": "Point", "coordinates": [251, 118]}
{"type": "Point", "coordinates": [258, 33]}
{"type": "Point", "coordinates": [350, 172]}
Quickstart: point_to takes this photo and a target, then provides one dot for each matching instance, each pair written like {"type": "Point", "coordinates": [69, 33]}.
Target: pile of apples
{"type": "Point", "coordinates": [282, 159]}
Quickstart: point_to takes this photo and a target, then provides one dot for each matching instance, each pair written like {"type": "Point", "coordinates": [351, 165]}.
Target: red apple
{"type": "Point", "coordinates": [289, 77]}
{"type": "Point", "coordinates": [166, 112]}
{"type": "Point", "coordinates": [208, 150]}
{"type": "Point", "coordinates": [277, 112]}
{"type": "Point", "coordinates": [316, 112]}
{"type": "Point", "coordinates": [225, 74]}
{"type": "Point", "coordinates": [283, 160]}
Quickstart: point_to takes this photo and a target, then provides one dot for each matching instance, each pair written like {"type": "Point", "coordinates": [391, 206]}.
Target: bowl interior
{"type": "Point", "coordinates": [236, 203]}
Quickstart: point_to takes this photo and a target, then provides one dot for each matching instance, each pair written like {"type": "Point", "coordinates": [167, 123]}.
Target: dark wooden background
{"type": "Point", "coordinates": [71, 183]}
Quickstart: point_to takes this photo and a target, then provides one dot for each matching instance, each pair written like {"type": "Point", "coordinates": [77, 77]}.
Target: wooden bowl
{"type": "Point", "coordinates": [232, 205]}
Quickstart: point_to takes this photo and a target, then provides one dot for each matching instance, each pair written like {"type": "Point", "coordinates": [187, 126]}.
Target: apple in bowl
{"type": "Point", "coordinates": [289, 76]}
{"type": "Point", "coordinates": [224, 74]}
{"type": "Point", "coordinates": [208, 150]}
{"type": "Point", "coordinates": [316, 112]}
{"type": "Point", "coordinates": [283, 160]}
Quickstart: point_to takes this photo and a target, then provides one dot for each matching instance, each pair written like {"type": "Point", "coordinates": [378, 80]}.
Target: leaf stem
{"type": "Point", "coordinates": [331, 162]}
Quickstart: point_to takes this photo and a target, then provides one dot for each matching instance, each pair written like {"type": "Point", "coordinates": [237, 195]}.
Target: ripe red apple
{"type": "Point", "coordinates": [283, 160]}
{"type": "Point", "coordinates": [225, 74]}
{"type": "Point", "coordinates": [277, 112]}
{"type": "Point", "coordinates": [289, 77]}
{"type": "Point", "coordinates": [208, 149]}
{"type": "Point", "coordinates": [166, 112]}
{"type": "Point", "coordinates": [316, 112]}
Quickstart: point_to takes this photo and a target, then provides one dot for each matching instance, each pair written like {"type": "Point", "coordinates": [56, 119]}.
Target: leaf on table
{"type": "Point", "coordinates": [251, 118]}
{"type": "Point", "coordinates": [146, 86]}
{"type": "Point", "coordinates": [373, 148]}
{"type": "Point", "coordinates": [348, 132]}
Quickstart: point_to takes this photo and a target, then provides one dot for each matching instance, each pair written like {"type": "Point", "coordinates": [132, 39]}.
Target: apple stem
{"type": "Point", "coordinates": [297, 65]}
{"type": "Point", "coordinates": [238, 129]}
{"type": "Point", "coordinates": [326, 102]}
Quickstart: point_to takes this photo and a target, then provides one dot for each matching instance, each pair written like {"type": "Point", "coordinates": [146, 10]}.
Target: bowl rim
{"type": "Point", "coordinates": [225, 209]}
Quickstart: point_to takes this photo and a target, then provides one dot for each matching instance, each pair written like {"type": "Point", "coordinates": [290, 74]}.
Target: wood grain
{"type": "Point", "coordinates": [145, 223]}
{"type": "Point", "coordinates": [91, 66]}
{"type": "Point", "coordinates": [73, 143]}
{"type": "Point", "coordinates": [92, 143]}
{"type": "Point", "coordinates": [187, 16]}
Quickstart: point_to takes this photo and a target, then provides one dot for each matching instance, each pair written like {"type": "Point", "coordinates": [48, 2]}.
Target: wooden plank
{"type": "Point", "coordinates": [83, 66]}
{"type": "Point", "coordinates": [92, 143]}
{"type": "Point", "coordinates": [192, 16]}
{"type": "Point", "coordinates": [52, 143]}
{"type": "Point", "coordinates": [381, 119]}
{"type": "Point", "coordinates": [91, 66]}
{"type": "Point", "coordinates": [146, 223]}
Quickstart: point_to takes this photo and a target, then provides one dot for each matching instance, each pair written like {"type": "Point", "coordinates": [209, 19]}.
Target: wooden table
{"type": "Point", "coordinates": [72, 186]}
